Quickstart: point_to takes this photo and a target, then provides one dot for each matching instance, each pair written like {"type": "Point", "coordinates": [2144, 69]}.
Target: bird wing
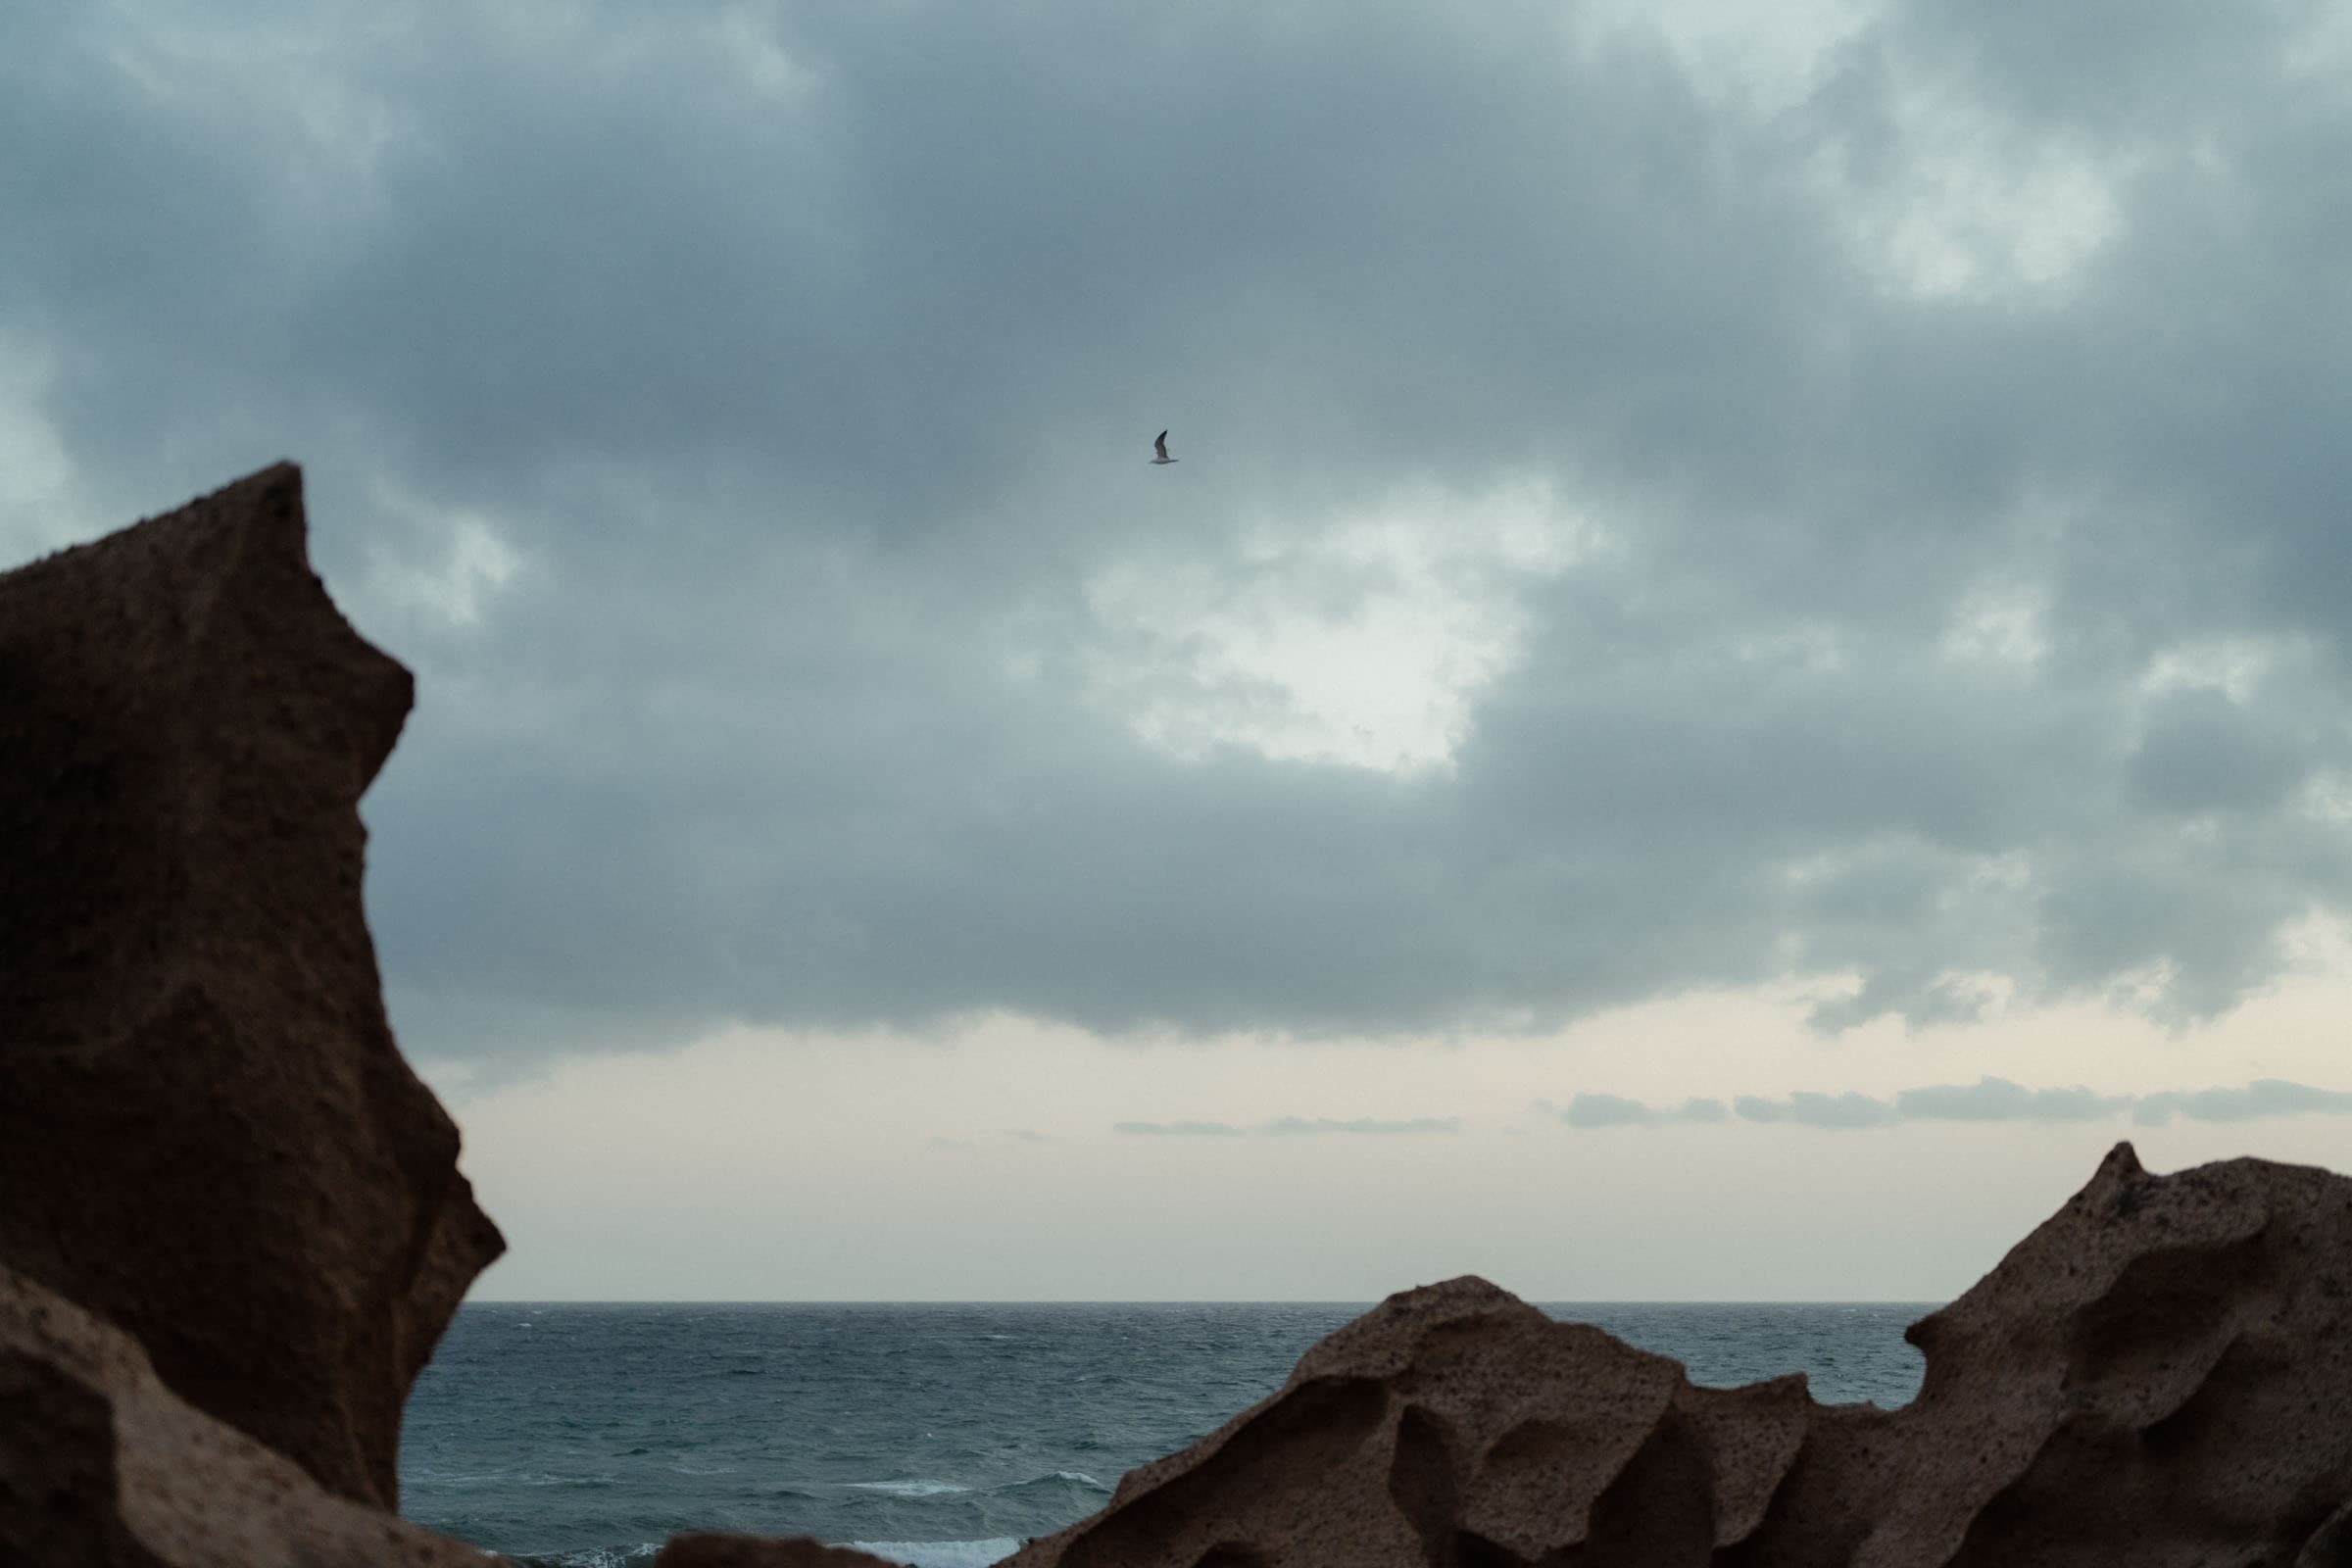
{"type": "Point", "coordinates": [1160, 446]}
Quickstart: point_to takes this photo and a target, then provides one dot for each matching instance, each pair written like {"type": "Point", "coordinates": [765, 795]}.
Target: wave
{"type": "Point", "coordinates": [1070, 1480]}
{"type": "Point", "coordinates": [588, 1556]}
{"type": "Point", "coordinates": [1078, 1479]}
{"type": "Point", "coordinates": [1031, 1506]}
{"type": "Point", "coordinates": [455, 1479]}
{"type": "Point", "coordinates": [943, 1553]}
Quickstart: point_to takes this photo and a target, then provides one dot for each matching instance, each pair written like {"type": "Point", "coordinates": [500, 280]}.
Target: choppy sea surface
{"type": "Point", "coordinates": [939, 1436]}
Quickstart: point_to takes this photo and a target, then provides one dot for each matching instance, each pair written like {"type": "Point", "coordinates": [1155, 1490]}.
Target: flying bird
{"type": "Point", "coordinates": [1160, 446]}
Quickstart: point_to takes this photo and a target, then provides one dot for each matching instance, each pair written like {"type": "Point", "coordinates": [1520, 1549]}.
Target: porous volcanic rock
{"type": "Point", "coordinates": [102, 1467]}
{"type": "Point", "coordinates": [206, 1134]}
{"type": "Point", "coordinates": [2159, 1376]}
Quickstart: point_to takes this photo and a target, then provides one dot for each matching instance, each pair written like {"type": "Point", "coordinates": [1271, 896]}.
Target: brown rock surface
{"type": "Point", "coordinates": [206, 1135]}
{"type": "Point", "coordinates": [711, 1548]}
{"type": "Point", "coordinates": [2160, 1376]}
{"type": "Point", "coordinates": [102, 1467]}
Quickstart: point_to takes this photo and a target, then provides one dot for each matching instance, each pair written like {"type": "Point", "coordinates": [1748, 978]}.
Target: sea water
{"type": "Point", "coordinates": [939, 1436]}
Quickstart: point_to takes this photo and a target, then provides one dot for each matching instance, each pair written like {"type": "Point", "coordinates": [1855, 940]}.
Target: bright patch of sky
{"type": "Point", "coordinates": [1364, 643]}
{"type": "Point", "coordinates": [1966, 205]}
{"type": "Point", "coordinates": [447, 566]}
{"type": "Point", "coordinates": [36, 514]}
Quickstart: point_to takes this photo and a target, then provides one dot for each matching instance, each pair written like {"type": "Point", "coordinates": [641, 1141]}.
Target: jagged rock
{"type": "Point", "coordinates": [102, 1467]}
{"type": "Point", "coordinates": [712, 1548]}
{"type": "Point", "coordinates": [206, 1134]}
{"type": "Point", "coordinates": [2160, 1376]}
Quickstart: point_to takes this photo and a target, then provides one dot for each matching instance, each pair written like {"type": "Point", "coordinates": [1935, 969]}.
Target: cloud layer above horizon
{"type": "Point", "coordinates": [1292, 1127]}
{"type": "Point", "coordinates": [1667, 501]}
{"type": "Point", "coordinates": [1988, 1100]}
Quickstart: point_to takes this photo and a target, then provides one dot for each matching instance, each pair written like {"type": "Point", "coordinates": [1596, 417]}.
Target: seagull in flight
{"type": "Point", "coordinates": [1160, 446]}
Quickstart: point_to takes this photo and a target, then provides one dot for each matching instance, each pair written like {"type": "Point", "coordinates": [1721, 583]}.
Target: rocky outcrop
{"type": "Point", "coordinates": [206, 1135]}
{"type": "Point", "coordinates": [2160, 1376]}
{"type": "Point", "coordinates": [102, 1467]}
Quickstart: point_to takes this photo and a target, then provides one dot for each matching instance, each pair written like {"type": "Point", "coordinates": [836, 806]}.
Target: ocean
{"type": "Point", "coordinates": [939, 1436]}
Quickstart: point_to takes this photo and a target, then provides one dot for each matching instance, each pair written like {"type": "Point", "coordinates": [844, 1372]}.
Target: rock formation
{"type": "Point", "coordinates": [101, 1466]}
{"type": "Point", "coordinates": [206, 1135]}
{"type": "Point", "coordinates": [711, 1548]}
{"type": "Point", "coordinates": [2160, 1376]}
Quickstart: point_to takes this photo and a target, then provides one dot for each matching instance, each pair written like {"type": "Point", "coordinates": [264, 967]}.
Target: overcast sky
{"type": "Point", "coordinates": [1744, 665]}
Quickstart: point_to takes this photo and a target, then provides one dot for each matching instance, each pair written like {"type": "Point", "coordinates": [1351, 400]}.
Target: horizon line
{"type": "Point", "coordinates": [1140, 1301]}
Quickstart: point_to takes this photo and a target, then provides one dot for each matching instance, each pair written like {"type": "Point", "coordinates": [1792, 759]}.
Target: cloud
{"type": "Point", "coordinates": [1807, 1109]}
{"type": "Point", "coordinates": [1614, 1110]}
{"type": "Point", "coordinates": [1640, 529]}
{"type": "Point", "coordinates": [1999, 1099]}
{"type": "Point", "coordinates": [1607, 1110]}
{"type": "Point", "coordinates": [1299, 1126]}
{"type": "Point", "coordinates": [1986, 1099]}
{"type": "Point", "coordinates": [2265, 1097]}
{"type": "Point", "coordinates": [1290, 1127]}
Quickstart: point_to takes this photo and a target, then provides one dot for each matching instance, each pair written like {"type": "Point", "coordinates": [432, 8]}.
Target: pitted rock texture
{"type": "Point", "coordinates": [101, 1466]}
{"type": "Point", "coordinates": [2159, 1376]}
{"type": "Point", "coordinates": [206, 1134]}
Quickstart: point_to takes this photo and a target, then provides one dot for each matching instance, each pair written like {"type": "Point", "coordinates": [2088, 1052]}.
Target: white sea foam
{"type": "Point", "coordinates": [909, 1488]}
{"type": "Point", "coordinates": [606, 1556]}
{"type": "Point", "coordinates": [943, 1553]}
{"type": "Point", "coordinates": [501, 1478]}
{"type": "Point", "coordinates": [420, 1476]}
{"type": "Point", "coordinates": [912, 1553]}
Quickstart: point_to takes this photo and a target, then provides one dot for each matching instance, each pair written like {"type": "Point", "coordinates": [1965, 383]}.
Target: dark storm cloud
{"type": "Point", "coordinates": [1987, 1100]}
{"type": "Point", "coordinates": [803, 360]}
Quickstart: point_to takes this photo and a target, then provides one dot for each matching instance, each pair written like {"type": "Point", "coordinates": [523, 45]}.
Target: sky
{"type": "Point", "coordinates": [1744, 667]}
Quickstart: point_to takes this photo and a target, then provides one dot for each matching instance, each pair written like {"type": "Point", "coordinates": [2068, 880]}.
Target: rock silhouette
{"type": "Point", "coordinates": [206, 1135]}
{"type": "Point", "coordinates": [2159, 1376]}
{"type": "Point", "coordinates": [711, 1549]}
{"type": "Point", "coordinates": [102, 1467]}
